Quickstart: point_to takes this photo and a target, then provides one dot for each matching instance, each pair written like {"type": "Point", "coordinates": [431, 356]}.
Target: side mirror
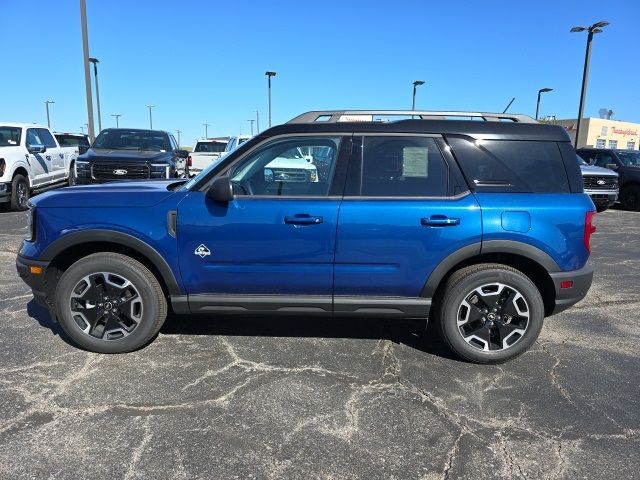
{"type": "Point", "coordinates": [221, 190]}
{"type": "Point", "coordinates": [36, 148]}
{"type": "Point", "coordinates": [182, 153]}
{"type": "Point", "coordinates": [82, 149]}
{"type": "Point", "coordinates": [612, 166]}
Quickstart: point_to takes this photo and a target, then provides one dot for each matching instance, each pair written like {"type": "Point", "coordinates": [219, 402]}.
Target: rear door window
{"type": "Point", "coordinates": [511, 165]}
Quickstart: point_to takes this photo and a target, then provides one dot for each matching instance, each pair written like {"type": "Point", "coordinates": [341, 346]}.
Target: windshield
{"type": "Point", "coordinates": [581, 161]}
{"type": "Point", "coordinates": [72, 140]}
{"type": "Point", "coordinates": [630, 159]}
{"type": "Point", "coordinates": [210, 147]}
{"type": "Point", "coordinates": [133, 140]}
{"type": "Point", "coordinates": [10, 136]}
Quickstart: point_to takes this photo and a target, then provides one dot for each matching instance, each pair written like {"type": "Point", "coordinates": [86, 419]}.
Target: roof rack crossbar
{"type": "Point", "coordinates": [335, 116]}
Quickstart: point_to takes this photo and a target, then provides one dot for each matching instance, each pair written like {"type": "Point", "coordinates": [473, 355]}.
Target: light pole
{"type": "Point", "coordinates": [46, 104]}
{"type": "Point", "coordinates": [95, 62]}
{"type": "Point", "coordinates": [269, 75]}
{"type": "Point", "coordinates": [595, 28]}
{"type": "Point", "coordinates": [257, 122]}
{"type": "Point", "coordinates": [541, 91]}
{"type": "Point", "coordinates": [117, 116]}
{"type": "Point", "coordinates": [150, 118]}
{"type": "Point", "coordinates": [416, 84]}
{"type": "Point", "coordinates": [206, 129]}
{"type": "Point", "coordinates": [87, 72]}
{"type": "Point", "coordinates": [178, 132]}
{"type": "Point", "coordinates": [251, 122]}
{"type": "Point", "coordinates": [82, 129]}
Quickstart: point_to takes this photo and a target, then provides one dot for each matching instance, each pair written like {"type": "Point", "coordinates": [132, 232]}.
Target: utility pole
{"type": "Point", "coordinates": [206, 129]}
{"type": "Point", "coordinates": [95, 62]}
{"type": "Point", "coordinates": [178, 132]}
{"type": "Point", "coordinates": [251, 122]}
{"type": "Point", "coordinates": [150, 118]}
{"type": "Point", "coordinates": [87, 72]}
{"type": "Point", "coordinates": [117, 115]}
{"type": "Point", "coordinates": [257, 122]}
{"type": "Point", "coordinates": [46, 104]}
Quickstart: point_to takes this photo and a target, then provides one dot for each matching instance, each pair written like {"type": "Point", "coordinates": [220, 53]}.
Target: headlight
{"type": "Point", "coordinates": [31, 224]}
{"type": "Point", "coordinates": [160, 170]}
{"type": "Point", "coordinates": [313, 175]}
{"type": "Point", "coordinates": [2, 166]}
{"type": "Point", "coordinates": [81, 166]}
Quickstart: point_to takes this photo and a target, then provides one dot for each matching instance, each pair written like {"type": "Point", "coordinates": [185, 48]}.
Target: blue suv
{"type": "Point", "coordinates": [475, 221]}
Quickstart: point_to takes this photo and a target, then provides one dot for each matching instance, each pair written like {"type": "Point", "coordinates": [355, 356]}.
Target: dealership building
{"type": "Point", "coordinates": [604, 133]}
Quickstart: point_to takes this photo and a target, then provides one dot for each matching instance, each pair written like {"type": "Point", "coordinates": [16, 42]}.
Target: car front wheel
{"type": "Point", "coordinates": [110, 303]}
{"type": "Point", "coordinates": [490, 313]}
{"type": "Point", "coordinates": [19, 193]}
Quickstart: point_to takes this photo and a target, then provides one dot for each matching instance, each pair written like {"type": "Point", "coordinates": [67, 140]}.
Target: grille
{"type": "Point", "coordinates": [105, 171]}
{"type": "Point", "coordinates": [290, 175]}
{"type": "Point", "coordinates": [600, 183]}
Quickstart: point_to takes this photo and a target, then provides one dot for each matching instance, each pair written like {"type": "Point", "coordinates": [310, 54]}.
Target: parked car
{"type": "Point", "coordinates": [76, 144]}
{"type": "Point", "coordinates": [131, 154]}
{"type": "Point", "coordinates": [481, 227]}
{"type": "Point", "coordinates": [204, 152]}
{"type": "Point", "coordinates": [601, 184]}
{"type": "Point", "coordinates": [235, 142]}
{"type": "Point", "coordinates": [626, 163]}
{"type": "Point", "coordinates": [31, 160]}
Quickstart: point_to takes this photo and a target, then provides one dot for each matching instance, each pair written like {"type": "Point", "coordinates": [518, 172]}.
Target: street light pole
{"type": "Point", "coordinates": [87, 72]}
{"type": "Point", "coordinates": [150, 118]}
{"type": "Point", "coordinates": [178, 132]}
{"type": "Point", "coordinates": [269, 75]}
{"type": "Point", "coordinates": [82, 129]}
{"type": "Point", "coordinates": [46, 104]}
{"type": "Point", "coordinates": [206, 129]}
{"type": "Point", "coordinates": [251, 122]}
{"type": "Point", "coordinates": [595, 28]}
{"type": "Point", "coordinates": [95, 62]}
{"type": "Point", "coordinates": [415, 85]}
{"type": "Point", "coordinates": [117, 115]}
{"type": "Point", "coordinates": [542, 90]}
{"type": "Point", "coordinates": [257, 122]}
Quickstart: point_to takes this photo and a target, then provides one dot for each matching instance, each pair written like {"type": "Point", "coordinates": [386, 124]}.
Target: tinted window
{"type": "Point", "coordinates": [287, 168]}
{"type": "Point", "coordinates": [121, 139]}
{"type": "Point", "coordinates": [403, 167]}
{"type": "Point", "coordinates": [10, 136]}
{"type": "Point", "coordinates": [511, 165]}
{"type": "Point", "coordinates": [588, 156]}
{"type": "Point", "coordinates": [72, 140]}
{"type": "Point", "coordinates": [210, 147]}
{"type": "Point", "coordinates": [47, 138]}
{"type": "Point", "coordinates": [630, 159]}
{"type": "Point", "coordinates": [33, 137]}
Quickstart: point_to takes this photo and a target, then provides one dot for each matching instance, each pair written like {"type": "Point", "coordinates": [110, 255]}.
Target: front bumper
{"type": "Point", "coordinates": [567, 297]}
{"type": "Point", "coordinates": [5, 192]}
{"type": "Point", "coordinates": [35, 281]}
{"type": "Point", "coordinates": [601, 198]}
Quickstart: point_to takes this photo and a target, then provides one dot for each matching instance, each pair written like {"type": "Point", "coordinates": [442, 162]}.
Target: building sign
{"type": "Point", "coordinates": [604, 131]}
{"type": "Point", "coordinates": [624, 132]}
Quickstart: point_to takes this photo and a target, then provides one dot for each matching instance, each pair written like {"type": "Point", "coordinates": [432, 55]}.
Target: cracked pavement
{"type": "Point", "coordinates": [240, 397]}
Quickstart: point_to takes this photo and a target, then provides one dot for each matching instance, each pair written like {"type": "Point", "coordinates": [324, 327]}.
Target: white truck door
{"type": "Point", "coordinates": [56, 154]}
{"type": "Point", "coordinates": [39, 163]}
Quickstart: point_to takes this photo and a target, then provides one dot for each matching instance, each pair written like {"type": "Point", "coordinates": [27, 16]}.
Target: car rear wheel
{"type": "Point", "coordinates": [630, 198]}
{"type": "Point", "coordinates": [110, 303]}
{"type": "Point", "coordinates": [490, 313]}
{"type": "Point", "coordinates": [19, 193]}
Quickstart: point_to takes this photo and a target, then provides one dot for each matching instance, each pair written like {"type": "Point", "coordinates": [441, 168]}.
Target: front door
{"type": "Point", "coordinates": [40, 163]}
{"type": "Point", "coordinates": [405, 209]}
{"type": "Point", "coordinates": [54, 154]}
{"type": "Point", "coordinates": [274, 243]}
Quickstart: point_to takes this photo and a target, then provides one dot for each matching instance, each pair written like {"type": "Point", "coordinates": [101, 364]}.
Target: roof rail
{"type": "Point", "coordinates": [335, 116]}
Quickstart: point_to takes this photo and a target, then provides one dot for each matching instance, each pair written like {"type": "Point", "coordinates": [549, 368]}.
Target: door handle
{"type": "Point", "coordinates": [439, 221]}
{"type": "Point", "coordinates": [302, 219]}
{"type": "Point", "coordinates": [48, 157]}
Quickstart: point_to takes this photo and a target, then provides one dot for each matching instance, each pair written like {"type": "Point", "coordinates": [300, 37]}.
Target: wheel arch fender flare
{"type": "Point", "coordinates": [111, 236]}
{"type": "Point", "coordinates": [486, 247]}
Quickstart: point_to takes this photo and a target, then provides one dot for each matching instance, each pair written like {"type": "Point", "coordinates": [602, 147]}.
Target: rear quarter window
{"type": "Point", "coordinates": [516, 166]}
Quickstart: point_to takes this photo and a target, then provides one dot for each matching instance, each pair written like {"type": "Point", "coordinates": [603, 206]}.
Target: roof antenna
{"type": "Point", "coordinates": [507, 107]}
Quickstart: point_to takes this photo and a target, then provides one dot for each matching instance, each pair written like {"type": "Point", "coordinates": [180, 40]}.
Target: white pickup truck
{"type": "Point", "coordinates": [204, 152]}
{"type": "Point", "coordinates": [31, 160]}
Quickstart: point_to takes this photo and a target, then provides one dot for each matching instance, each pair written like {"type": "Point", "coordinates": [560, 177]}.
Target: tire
{"type": "Point", "coordinates": [107, 315]}
{"type": "Point", "coordinates": [510, 330]}
{"type": "Point", "coordinates": [630, 198]}
{"type": "Point", "coordinates": [72, 176]}
{"type": "Point", "coordinates": [20, 193]}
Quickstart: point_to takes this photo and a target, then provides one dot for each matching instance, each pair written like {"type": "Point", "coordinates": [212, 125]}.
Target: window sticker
{"type": "Point", "coordinates": [415, 162]}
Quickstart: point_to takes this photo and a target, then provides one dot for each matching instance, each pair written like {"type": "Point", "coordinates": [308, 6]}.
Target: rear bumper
{"type": "Point", "coordinates": [566, 297]}
{"type": "Point", "coordinates": [35, 281]}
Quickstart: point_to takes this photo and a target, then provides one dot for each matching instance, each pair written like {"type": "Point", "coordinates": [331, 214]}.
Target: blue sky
{"type": "Point", "coordinates": [204, 61]}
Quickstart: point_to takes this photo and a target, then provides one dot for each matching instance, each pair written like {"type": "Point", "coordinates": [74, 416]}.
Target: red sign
{"type": "Point", "coordinates": [624, 133]}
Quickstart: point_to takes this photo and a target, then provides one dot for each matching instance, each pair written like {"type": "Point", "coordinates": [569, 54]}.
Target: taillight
{"type": "Point", "coordinates": [589, 229]}
{"type": "Point", "coordinates": [189, 163]}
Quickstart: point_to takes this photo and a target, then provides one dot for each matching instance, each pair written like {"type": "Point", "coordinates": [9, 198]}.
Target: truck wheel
{"type": "Point", "coordinates": [630, 198]}
{"type": "Point", "coordinates": [110, 303]}
{"type": "Point", "coordinates": [490, 313]}
{"type": "Point", "coordinates": [19, 193]}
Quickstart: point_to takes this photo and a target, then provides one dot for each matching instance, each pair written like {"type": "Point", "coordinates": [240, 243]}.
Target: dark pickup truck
{"type": "Point", "coordinates": [131, 154]}
{"type": "Point", "coordinates": [626, 163]}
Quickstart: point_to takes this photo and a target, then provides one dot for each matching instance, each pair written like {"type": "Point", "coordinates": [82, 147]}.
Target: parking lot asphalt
{"type": "Point", "coordinates": [312, 398]}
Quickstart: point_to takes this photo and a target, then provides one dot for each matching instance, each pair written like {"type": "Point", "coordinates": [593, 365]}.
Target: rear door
{"type": "Point", "coordinates": [273, 245]}
{"type": "Point", "coordinates": [405, 209]}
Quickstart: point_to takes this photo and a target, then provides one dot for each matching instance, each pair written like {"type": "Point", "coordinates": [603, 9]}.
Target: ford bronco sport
{"type": "Point", "coordinates": [479, 226]}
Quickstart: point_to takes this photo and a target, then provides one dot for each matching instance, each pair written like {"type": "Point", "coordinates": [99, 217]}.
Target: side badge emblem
{"type": "Point", "coordinates": [202, 251]}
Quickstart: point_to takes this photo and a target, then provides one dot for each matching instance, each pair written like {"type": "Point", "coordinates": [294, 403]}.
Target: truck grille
{"type": "Point", "coordinates": [600, 183]}
{"type": "Point", "coordinates": [107, 171]}
{"type": "Point", "coordinates": [290, 175]}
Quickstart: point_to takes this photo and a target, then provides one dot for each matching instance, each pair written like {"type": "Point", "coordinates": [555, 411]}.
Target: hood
{"type": "Point", "coordinates": [103, 154]}
{"type": "Point", "coordinates": [592, 170]}
{"type": "Point", "coordinates": [108, 195]}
